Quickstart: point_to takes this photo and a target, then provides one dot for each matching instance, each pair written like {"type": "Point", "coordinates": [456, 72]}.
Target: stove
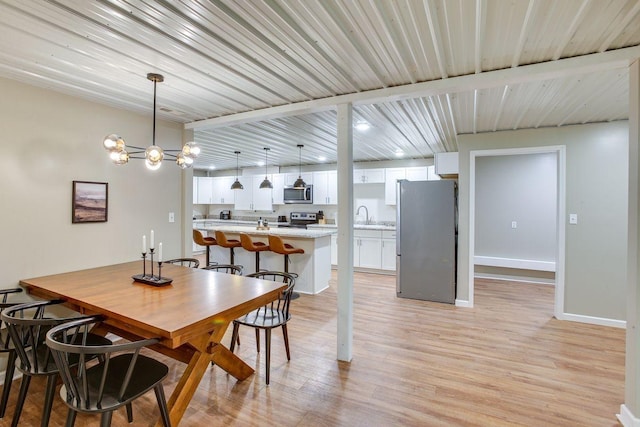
{"type": "Point", "coordinates": [300, 220]}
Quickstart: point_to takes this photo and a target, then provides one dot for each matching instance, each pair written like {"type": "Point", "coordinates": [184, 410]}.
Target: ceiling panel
{"type": "Point", "coordinates": [221, 58]}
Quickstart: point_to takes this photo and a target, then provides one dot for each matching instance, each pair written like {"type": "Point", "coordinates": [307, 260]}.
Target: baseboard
{"type": "Point", "coordinates": [463, 303]}
{"type": "Point", "coordinates": [626, 418]}
{"type": "Point", "coordinates": [524, 279]}
{"type": "Point", "coordinates": [521, 264]}
{"type": "Point", "coordinates": [602, 321]}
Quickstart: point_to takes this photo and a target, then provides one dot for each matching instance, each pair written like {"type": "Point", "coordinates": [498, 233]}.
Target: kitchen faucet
{"type": "Point", "coordinates": [366, 212]}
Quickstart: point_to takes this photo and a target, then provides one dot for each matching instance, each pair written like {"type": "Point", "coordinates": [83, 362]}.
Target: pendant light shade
{"type": "Point", "coordinates": [299, 184]}
{"type": "Point", "coordinates": [266, 184]}
{"type": "Point", "coordinates": [237, 185]}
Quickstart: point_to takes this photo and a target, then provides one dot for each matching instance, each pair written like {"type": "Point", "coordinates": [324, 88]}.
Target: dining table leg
{"type": "Point", "coordinates": [208, 348]}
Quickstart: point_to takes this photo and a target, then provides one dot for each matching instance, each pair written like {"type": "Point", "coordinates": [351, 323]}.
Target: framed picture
{"type": "Point", "coordinates": [90, 201]}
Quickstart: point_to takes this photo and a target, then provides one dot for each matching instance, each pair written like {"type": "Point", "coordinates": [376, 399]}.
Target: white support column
{"type": "Point", "coordinates": [186, 204]}
{"type": "Point", "coordinates": [630, 410]}
{"type": "Point", "coordinates": [345, 232]}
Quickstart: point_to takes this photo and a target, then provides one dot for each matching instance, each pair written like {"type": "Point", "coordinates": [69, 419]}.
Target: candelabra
{"type": "Point", "coordinates": [151, 279]}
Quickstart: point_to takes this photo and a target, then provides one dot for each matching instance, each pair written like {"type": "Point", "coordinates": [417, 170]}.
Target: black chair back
{"type": "Point", "coordinates": [185, 262]}
{"type": "Point", "coordinates": [225, 268]}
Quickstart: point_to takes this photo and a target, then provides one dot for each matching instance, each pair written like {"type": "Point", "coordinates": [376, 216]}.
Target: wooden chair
{"type": "Point", "coordinates": [121, 375]}
{"type": "Point", "coordinates": [27, 324]}
{"type": "Point", "coordinates": [185, 262]}
{"type": "Point", "coordinates": [207, 242]}
{"type": "Point", "coordinates": [270, 316]}
{"type": "Point", "coordinates": [222, 240]}
{"type": "Point", "coordinates": [249, 245]}
{"type": "Point", "coordinates": [7, 347]}
{"type": "Point", "coordinates": [225, 268]}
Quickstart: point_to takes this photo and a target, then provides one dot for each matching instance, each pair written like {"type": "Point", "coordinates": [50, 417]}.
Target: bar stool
{"type": "Point", "coordinates": [207, 242]}
{"type": "Point", "coordinates": [249, 245]}
{"type": "Point", "coordinates": [278, 246]}
{"type": "Point", "coordinates": [222, 240]}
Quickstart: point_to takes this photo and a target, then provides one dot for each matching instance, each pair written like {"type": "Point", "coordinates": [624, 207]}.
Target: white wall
{"type": "Point", "coordinates": [48, 141]}
{"type": "Point", "coordinates": [520, 189]}
{"type": "Point", "coordinates": [596, 189]}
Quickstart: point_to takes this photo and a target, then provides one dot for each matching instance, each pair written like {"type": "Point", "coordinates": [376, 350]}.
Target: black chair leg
{"type": "Point", "coordinates": [71, 418]}
{"type": "Point", "coordinates": [129, 413]}
{"type": "Point", "coordinates": [267, 338]}
{"type": "Point", "coordinates": [24, 388]}
{"type": "Point", "coordinates": [48, 399]}
{"type": "Point", "coordinates": [234, 336]}
{"type": "Point", "coordinates": [232, 257]}
{"type": "Point", "coordinates": [105, 419]}
{"type": "Point", "coordinates": [162, 404]}
{"type": "Point", "coordinates": [258, 340]}
{"type": "Point", "coordinates": [207, 257]}
{"type": "Point", "coordinates": [286, 340]}
{"type": "Point", "coordinates": [257, 261]}
{"type": "Point", "coordinates": [8, 379]}
{"type": "Point", "coordinates": [286, 263]}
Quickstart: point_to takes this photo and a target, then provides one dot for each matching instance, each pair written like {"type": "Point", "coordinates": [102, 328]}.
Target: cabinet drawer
{"type": "Point", "coordinates": [388, 234]}
{"type": "Point", "coordinates": [376, 234]}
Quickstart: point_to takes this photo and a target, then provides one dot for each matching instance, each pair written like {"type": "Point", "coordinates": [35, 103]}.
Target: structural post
{"type": "Point", "coordinates": [630, 410]}
{"type": "Point", "coordinates": [345, 232]}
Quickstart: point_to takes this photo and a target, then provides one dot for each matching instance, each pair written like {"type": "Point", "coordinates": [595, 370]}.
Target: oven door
{"type": "Point", "coordinates": [295, 195]}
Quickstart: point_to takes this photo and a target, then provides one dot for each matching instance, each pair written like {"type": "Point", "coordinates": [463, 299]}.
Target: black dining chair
{"type": "Point", "coordinates": [7, 347]}
{"type": "Point", "coordinates": [225, 268]}
{"type": "Point", "coordinates": [185, 262]}
{"type": "Point", "coordinates": [28, 324]}
{"type": "Point", "coordinates": [273, 315]}
{"type": "Point", "coordinates": [120, 376]}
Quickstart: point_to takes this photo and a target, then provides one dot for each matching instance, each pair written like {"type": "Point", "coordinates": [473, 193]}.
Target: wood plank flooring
{"type": "Point", "coordinates": [506, 362]}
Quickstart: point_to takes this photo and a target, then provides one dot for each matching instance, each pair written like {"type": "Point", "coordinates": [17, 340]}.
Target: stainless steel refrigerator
{"type": "Point", "coordinates": [426, 240]}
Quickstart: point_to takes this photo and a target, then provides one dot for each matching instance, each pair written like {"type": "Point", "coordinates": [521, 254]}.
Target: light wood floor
{"type": "Point", "coordinates": [506, 362]}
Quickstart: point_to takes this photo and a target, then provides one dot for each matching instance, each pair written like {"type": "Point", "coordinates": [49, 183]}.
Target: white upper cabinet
{"type": "Point", "coordinates": [420, 173]}
{"type": "Point", "coordinates": [290, 178]}
{"type": "Point", "coordinates": [446, 163]}
{"type": "Point", "coordinates": [205, 186]}
{"type": "Point", "coordinates": [325, 188]}
{"type": "Point", "coordinates": [392, 175]}
{"type": "Point", "coordinates": [221, 192]}
{"type": "Point", "coordinates": [368, 176]}
{"type": "Point", "coordinates": [278, 188]}
{"type": "Point", "coordinates": [252, 197]}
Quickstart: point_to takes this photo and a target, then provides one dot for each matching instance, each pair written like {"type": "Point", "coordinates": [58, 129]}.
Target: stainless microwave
{"type": "Point", "coordinates": [298, 195]}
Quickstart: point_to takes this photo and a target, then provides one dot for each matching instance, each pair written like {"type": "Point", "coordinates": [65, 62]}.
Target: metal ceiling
{"type": "Point", "coordinates": [221, 58]}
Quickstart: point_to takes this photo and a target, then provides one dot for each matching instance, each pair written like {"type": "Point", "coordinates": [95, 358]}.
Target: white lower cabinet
{"type": "Point", "coordinates": [388, 250]}
{"type": "Point", "coordinates": [367, 248]}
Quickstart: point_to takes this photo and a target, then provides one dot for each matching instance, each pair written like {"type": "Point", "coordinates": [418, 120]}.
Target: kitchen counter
{"type": "Point", "coordinates": [382, 227]}
{"type": "Point", "coordinates": [313, 267]}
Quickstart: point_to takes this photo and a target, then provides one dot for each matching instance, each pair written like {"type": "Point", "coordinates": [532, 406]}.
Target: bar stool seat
{"type": "Point", "coordinates": [249, 245]}
{"type": "Point", "coordinates": [222, 240]}
{"type": "Point", "coordinates": [207, 242]}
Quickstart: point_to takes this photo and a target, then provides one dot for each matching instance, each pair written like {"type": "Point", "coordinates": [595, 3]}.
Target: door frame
{"type": "Point", "coordinates": [560, 151]}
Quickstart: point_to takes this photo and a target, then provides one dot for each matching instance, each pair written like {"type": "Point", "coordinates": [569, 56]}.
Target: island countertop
{"type": "Point", "coordinates": [282, 232]}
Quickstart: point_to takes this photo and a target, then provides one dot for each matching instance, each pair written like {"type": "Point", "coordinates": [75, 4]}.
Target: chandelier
{"type": "Point", "coordinates": [153, 155]}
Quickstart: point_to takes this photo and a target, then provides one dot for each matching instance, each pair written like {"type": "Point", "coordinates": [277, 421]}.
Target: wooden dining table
{"type": "Point", "coordinates": [189, 316]}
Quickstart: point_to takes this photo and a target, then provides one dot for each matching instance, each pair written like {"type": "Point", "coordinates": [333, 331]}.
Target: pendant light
{"type": "Point", "coordinates": [152, 155]}
{"type": "Point", "coordinates": [266, 184]}
{"type": "Point", "coordinates": [237, 185]}
{"type": "Point", "coordinates": [299, 184]}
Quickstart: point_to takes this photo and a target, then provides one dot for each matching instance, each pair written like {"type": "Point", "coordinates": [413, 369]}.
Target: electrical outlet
{"type": "Point", "coordinates": [172, 217]}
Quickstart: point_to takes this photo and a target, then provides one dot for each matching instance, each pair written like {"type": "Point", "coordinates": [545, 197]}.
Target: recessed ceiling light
{"type": "Point", "coordinates": [212, 167]}
{"type": "Point", "coordinates": [362, 126]}
{"type": "Point", "coordinates": [399, 153]}
{"type": "Point", "coordinates": [260, 163]}
{"type": "Point", "coordinates": [322, 158]}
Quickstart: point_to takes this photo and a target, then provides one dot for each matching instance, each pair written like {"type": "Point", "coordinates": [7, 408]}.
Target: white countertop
{"type": "Point", "coordinates": [282, 232]}
{"type": "Point", "coordinates": [356, 227]}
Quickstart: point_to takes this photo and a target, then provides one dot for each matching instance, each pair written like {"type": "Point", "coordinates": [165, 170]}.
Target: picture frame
{"type": "Point", "coordinates": [90, 202]}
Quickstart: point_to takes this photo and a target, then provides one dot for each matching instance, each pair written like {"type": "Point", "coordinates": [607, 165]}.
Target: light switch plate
{"type": "Point", "coordinates": [172, 217]}
{"type": "Point", "coordinates": [573, 218]}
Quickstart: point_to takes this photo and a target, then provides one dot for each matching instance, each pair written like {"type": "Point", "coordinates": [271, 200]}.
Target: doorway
{"type": "Point", "coordinates": [559, 152]}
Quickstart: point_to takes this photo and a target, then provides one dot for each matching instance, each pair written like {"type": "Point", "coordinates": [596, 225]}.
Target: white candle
{"type": "Point", "coordinates": [144, 244]}
{"type": "Point", "coordinates": [152, 245]}
{"type": "Point", "coordinates": [160, 252]}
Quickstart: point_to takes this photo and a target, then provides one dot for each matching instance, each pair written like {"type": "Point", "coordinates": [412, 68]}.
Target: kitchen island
{"type": "Point", "coordinates": [313, 267]}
